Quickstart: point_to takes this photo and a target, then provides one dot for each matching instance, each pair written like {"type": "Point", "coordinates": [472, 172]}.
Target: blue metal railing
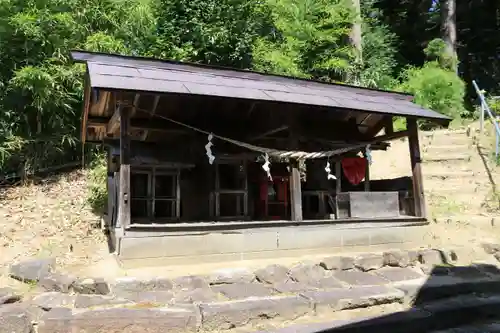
{"type": "Point", "coordinates": [486, 109]}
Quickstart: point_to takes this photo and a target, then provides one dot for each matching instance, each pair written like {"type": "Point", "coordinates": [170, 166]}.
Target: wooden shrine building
{"type": "Point", "coordinates": [208, 163]}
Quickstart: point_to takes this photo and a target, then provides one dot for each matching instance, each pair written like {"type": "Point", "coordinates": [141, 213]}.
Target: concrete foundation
{"type": "Point", "coordinates": [147, 248]}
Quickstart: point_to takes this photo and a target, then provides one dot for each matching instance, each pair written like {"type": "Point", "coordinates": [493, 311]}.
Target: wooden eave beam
{"type": "Point", "coordinates": [114, 123]}
{"type": "Point", "coordinates": [140, 124]}
{"type": "Point", "coordinates": [378, 126]}
{"type": "Point", "coordinates": [151, 115]}
{"type": "Point", "coordinates": [268, 133]}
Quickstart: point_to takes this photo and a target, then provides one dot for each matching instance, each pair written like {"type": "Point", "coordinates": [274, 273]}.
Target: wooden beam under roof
{"type": "Point", "coordinates": [269, 132]}
{"type": "Point", "coordinates": [114, 123]}
{"type": "Point", "coordinates": [151, 115]}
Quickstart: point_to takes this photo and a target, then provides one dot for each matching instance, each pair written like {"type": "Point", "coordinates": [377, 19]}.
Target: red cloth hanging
{"type": "Point", "coordinates": [354, 169]}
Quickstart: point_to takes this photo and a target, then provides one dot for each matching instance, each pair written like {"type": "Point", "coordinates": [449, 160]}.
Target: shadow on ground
{"type": "Point", "coordinates": [448, 302]}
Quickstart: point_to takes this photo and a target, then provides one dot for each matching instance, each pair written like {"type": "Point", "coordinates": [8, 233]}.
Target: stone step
{"type": "Point", "coordinates": [456, 183]}
{"type": "Point", "coordinates": [474, 328]}
{"type": "Point", "coordinates": [447, 157]}
{"type": "Point", "coordinates": [433, 317]}
{"type": "Point", "coordinates": [436, 149]}
{"type": "Point", "coordinates": [460, 196]}
{"type": "Point", "coordinates": [438, 188]}
{"type": "Point", "coordinates": [448, 174]}
{"type": "Point", "coordinates": [446, 140]}
{"type": "Point", "coordinates": [478, 220]}
{"type": "Point", "coordinates": [445, 132]}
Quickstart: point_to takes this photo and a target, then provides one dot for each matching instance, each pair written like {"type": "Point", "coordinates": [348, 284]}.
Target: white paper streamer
{"type": "Point", "coordinates": [368, 154]}
{"type": "Point", "coordinates": [328, 171]}
{"type": "Point", "coordinates": [208, 148]}
{"type": "Point", "coordinates": [266, 166]}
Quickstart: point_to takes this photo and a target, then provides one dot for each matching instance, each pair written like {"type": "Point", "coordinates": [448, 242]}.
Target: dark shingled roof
{"type": "Point", "coordinates": [114, 72]}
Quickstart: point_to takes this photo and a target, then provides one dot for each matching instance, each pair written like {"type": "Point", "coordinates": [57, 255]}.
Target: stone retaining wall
{"type": "Point", "coordinates": [225, 298]}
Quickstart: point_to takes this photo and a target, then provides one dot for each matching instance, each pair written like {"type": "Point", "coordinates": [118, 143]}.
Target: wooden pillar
{"type": "Point", "coordinates": [338, 175]}
{"type": "Point", "coordinates": [416, 167]}
{"type": "Point", "coordinates": [295, 192]}
{"type": "Point", "coordinates": [367, 176]}
{"type": "Point", "coordinates": [295, 185]}
{"type": "Point", "coordinates": [338, 187]}
{"type": "Point", "coordinates": [124, 192]}
{"type": "Point", "coordinates": [389, 126]}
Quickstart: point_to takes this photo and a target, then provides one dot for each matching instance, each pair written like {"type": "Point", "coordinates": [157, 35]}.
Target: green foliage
{"type": "Point", "coordinates": [40, 89]}
{"type": "Point", "coordinates": [379, 49]}
{"type": "Point", "coordinates": [218, 32]}
{"type": "Point", "coordinates": [98, 195]}
{"type": "Point", "coordinates": [436, 51]}
{"type": "Point", "coordinates": [494, 105]}
{"type": "Point", "coordinates": [435, 88]}
{"type": "Point", "coordinates": [310, 39]}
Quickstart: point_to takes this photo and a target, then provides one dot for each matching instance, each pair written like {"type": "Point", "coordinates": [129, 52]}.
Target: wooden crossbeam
{"type": "Point", "coordinates": [270, 132]}
{"type": "Point", "coordinates": [114, 123]}
{"type": "Point", "coordinates": [153, 111]}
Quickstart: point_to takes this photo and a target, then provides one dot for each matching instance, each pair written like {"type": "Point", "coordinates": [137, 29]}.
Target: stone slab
{"type": "Point", "coordinates": [190, 282]}
{"type": "Point", "coordinates": [32, 270]}
{"type": "Point", "coordinates": [231, 275]}
{"type": "Point", "coordinates": [337, 263]}
{"type": "Point", "coordinates": [292, 287]}
{"type": "Point", "coordinates": [356, 278]}
{"type": "Point", "coordinates": [430, 257]}
{"type": "Point", "coordinates": [396, 258]}
{"type": "Point", "coordinates": [488, 269]}
{"type": "Point", "coordinates": [395, 274]}
{"type": "Point", "coordinates": [8, 295]}
{"type": "Point", "coordinates": [272, 274]}
{"type": "Point", "coordinates": [132, 284]}
{"type": "Point", "coordinates": [225, 315]}
{"type": "Point", "coordinates": [243, 290]}
{"type": "Point", "coordinates": [196, 296]}
{"type": "Point", "coordinates": [306, 272]}
{"type": "Point", "coordinates": [127, 320]}
{"type": "Point", "coordinates": [467, 272]}
{"type": "Point", "coordinates": [369, 261]}
{"type": "Point", "coordinates": [440, 287]}
{"type": "Point", "coordinates": [57, 282]}
{"type": "Point", "coordinates": [54, 299]}
{"type": "Point", "coordinates": [148, 297]}
{"type": "Point", "coordinates": [57, 320]}
{"type": "Point", "coordinates": [91, 286]}
{"type": "Point", "coordinates": [477, 328]}
{"type": "Point", "coordinates": [394, 322]}
{"type": "Point", "coordinates": [87, 301]}
{"type": "Point", "coordinates": [341, 299]}
{"type": "Point", "coordinates": [14, 320]}
{"type": "Point", "coordinates": [325, 283]}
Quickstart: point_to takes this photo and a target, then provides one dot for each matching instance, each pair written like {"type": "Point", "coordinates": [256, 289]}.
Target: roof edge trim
{"type": "Point", "coordinates": [81, 56]}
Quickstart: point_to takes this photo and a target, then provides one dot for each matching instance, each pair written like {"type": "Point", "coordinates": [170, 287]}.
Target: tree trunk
{"type": "Point", "coordinates": [356, 31]}
{"type": "Point", "coordinates": [449, 29]}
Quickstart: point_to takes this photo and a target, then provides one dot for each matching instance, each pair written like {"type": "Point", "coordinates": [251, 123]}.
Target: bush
{"type": "Point", "coordinates": [435, 88]}
{"type": "Point", "coordinates": [98, 194]}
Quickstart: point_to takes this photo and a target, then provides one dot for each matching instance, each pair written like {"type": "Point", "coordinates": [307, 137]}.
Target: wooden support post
{"type": "Point", "coordinates": [416, 167]}
{"type": "Point", "coordinates": [295, 192]}
{"type": "Point", "coordinates": [338, 175]}
{"type": "Point", "coordinates": [124, 192]}
{"type": "Point", "coordinates": [367, 176]}
{"type": "Point", "coordinates": [338, 187]}
{"type": "Point", "coordinates": [389, 126]}
{"type": "Point", "coordinates": [295, 185]}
